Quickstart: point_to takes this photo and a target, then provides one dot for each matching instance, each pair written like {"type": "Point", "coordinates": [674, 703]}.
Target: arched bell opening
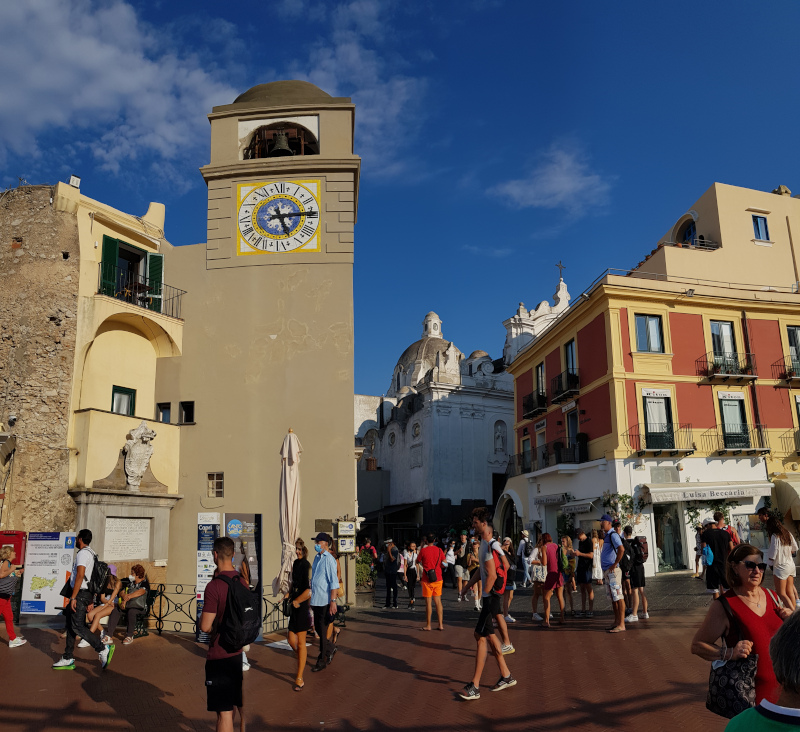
{"type": "Point", "coordinates": [280, 140]}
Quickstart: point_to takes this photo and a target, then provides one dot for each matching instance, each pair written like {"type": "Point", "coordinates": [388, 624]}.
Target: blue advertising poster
{"type": "Point", "coordinates": [208, 529]}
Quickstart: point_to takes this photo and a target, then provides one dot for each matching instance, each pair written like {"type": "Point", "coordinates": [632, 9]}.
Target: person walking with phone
{"type": "Point", "coordinates": [487, 642]}
{"type": "Point", "coordinates": [79, 600]}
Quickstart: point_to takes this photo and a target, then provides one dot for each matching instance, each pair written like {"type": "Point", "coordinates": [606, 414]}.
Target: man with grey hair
{"type": "Point", "coordinates": [784, 650]}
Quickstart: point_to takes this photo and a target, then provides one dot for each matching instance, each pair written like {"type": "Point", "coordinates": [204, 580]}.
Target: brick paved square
{"type": "Point", "coordinates": [388, 675]}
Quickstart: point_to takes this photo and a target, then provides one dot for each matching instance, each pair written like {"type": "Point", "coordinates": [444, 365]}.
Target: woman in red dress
{"type": "Point", "coordinates": [554, 581]}
{"type": "Point", "coordinates": [758, 612]}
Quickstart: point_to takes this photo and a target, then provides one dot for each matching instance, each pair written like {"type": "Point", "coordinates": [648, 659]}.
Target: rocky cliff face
{"type": "Point", "coordinates": [39, 257]}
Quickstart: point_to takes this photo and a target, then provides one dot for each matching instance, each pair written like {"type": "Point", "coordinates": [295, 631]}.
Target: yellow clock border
{"type": "Point", "coordinates": [305, 249]}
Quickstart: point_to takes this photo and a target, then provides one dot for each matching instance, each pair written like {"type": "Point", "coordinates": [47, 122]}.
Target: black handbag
{"type": "Point", "coordinates": [732, 686]}
{"type": "Point", "coordinates": [286, 607]}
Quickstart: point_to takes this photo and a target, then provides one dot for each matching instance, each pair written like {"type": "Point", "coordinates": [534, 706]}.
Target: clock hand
{"type": "Point", "coordinates": [299, 213]}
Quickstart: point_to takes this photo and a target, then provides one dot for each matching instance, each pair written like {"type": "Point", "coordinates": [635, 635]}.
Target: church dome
{"type": "Point", "coordinates": [424, 350]}
{"type": "Point", "coordinates": [284, 93]}
{"type": "Point", "coordinates": [478, 354]}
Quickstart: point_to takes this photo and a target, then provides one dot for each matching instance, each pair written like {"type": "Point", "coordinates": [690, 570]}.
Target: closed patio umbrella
{"type": "Point", "coordinates": [290, 509]}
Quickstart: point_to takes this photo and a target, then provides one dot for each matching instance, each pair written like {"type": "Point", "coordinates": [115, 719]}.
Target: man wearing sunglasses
{"type": "Point", "coordinates": [720, 543]}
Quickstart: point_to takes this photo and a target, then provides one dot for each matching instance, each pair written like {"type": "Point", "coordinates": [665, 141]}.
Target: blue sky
{"type": "Point", "coordinates": [497, 137]}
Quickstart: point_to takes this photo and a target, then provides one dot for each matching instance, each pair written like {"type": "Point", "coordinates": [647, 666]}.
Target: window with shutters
{"type": "Point", "coordinates": [132, 274]}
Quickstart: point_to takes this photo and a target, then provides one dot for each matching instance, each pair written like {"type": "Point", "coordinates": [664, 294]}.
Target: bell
{"type": "Point", "coordinates": [281, 146]}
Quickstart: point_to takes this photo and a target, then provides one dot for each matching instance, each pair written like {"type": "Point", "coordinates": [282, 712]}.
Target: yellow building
{"type": "Point", "coordinates": [667, 388]}
{"type": "Point", "coordinates": [219, 348]}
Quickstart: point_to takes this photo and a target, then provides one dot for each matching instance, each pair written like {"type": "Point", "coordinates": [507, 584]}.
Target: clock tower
{"type": "Point", "coordinates": [268, 335]}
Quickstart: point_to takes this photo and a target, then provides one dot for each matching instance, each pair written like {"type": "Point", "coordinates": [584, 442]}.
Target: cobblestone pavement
{"type": "Point", "coordinates": [390, 676]}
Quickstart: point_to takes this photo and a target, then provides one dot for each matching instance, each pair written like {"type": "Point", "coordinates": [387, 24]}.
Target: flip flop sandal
{"type": "Point", "coordinates": [127, 641]}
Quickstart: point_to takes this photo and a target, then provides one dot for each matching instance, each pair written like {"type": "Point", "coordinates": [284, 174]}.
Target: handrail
{"type": "Point", "coordinates": [565, 384]}
{"type": "Point", "coordinates": [737, 439]}
{"type": "Point", "coordinates": [139, 290]}
{"type": "Point", "coordinates": [727, 365]}
{"type": "Point", "coordinates": [658, 438]}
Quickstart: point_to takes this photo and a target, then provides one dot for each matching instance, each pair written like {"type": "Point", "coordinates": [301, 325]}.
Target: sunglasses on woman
{"type": "Point", "coordinates": [760, 566]}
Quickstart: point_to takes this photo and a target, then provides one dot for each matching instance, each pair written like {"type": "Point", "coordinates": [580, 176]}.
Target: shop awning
{"type": "Point", "coordinates": [672, 492]}
{"type": "Point", "coordinates": [787, 496]}
{"type": "Point", "coordinates": [582, 505]}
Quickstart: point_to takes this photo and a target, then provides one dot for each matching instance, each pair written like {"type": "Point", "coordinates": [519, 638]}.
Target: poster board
{"type": "Point", "coordinates": [208, 529]}
{"type": "Point", "coordinates": [48, 565]}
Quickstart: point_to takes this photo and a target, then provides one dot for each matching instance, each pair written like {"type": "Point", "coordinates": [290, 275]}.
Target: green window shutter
{"type": "Point", "coordinates": [108, 266]}
{"type": "Point", "coordinates": [155, 276]}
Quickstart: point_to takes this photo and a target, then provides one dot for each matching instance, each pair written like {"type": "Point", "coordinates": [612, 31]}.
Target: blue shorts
{"type": "Point", "coordinates": [583, 577]}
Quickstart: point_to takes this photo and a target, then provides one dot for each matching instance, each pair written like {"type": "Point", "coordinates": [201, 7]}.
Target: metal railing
{"type": "Point", "coordinates": [727, 366]}
{"type": "Point", "coordinates": [787, 368]}
{"type": "Point", "coordinates": [790, 442]}
{"type": "Point", "coordinates": [657, 438]}
{"type": "Point", "coordinates": [546, 456]}
{"type": "Point", "coordinates": [737, 439]}
{"type": "Point", "coordinates": [699, 242]}
{"type": "Point", "coordinates": [534, 404]}
{"type": "Point", "coordinates": [175, 610]}
{"type": "Point", "coordinates": [565, 385]}
{"type": "Point", "coordinates": [139, 290]}
{"type": "Point", "coordinates": [519, 464]}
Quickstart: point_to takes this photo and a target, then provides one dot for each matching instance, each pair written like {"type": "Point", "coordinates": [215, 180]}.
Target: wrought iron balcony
{"type": "Point", "coordinates": [727, 366]}
{"type": "Point", "coordinates": [787, 368]}
{"type": "Point", "coordinates": [565, 386]}
{"type": "Point", "coordinates": [534, 404]}
{"type": "Point", "coordinates": [657, 439]}
{"type": "Point", "coordinates": [519, 464]}
{"type": "Point", "coordinates": [139, 290]}
{"type": "Point", "coordinates": [790, 442]}
{"type": "Point", "coordinates": [738, 439]}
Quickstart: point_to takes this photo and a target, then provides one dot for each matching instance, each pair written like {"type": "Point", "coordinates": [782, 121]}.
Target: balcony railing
{"type": "Point", "coordinates": [533, 405]}
{"type": "Point", "coordinates": [655, 439]}
{"type": "Point", "coordinates": [790, 442]}
{"type": "Point", "coordinates": [727, 366]}
{"type": "Point", "coordinates": [546, 456]}
{"type": "Point", "coordinates": [738, 439]}
{"type": "Point", "coordinates": [519, 464]}
{"type": "Point", "coordinates": [565, 386]}
{"type": "Point", "coordinates": [787, 368]}
{"type": "Point", "coordinates": [139, 290]}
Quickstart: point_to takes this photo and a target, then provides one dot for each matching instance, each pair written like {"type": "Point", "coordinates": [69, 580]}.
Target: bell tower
{"type": "Point", "coordinates": [268, 337]}
{"type": "Point", "coordinates": [283, 138]}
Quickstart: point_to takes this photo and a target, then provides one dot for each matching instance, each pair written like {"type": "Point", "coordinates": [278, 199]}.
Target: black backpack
{"type": "Point", "coordinates": [97, 582]}
{"type": "Point", "coordinates": [241, 622]}
{"type": "Point", "coordinates": [528, 550]}
{"type": "Point", "coordinates": [636, 551]}
{"type": "Point", "coordinates": [626, 562]}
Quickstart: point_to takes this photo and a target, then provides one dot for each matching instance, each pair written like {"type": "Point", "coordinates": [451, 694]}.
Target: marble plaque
{"type": "Point", "coordinates": [126, 538]}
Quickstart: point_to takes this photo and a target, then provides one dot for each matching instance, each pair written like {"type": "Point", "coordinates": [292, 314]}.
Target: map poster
{"type": "Point", "coordinates": [207, 530]}
{"type": "Point", "coordinates": [48, 565]}
{"type": "Point", "coordinates": [245, 530]}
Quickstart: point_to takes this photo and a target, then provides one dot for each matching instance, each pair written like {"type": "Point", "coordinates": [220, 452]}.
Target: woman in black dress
{"type": "Point", "coordinates": [300, 619]}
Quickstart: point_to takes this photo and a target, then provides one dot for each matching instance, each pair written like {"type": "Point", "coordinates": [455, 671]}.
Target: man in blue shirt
{"type": "Point", "coordinates": [324, 584]}
{"type": "Point", "coordinates": [610, 557]}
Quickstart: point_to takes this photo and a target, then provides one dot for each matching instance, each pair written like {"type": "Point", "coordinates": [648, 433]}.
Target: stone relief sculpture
{"type": "Point", "coordinates": [500, 437]}
{"type": "Point", "coordinates": [138, 451]}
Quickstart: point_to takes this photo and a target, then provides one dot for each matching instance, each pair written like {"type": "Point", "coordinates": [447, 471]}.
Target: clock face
{"type": "Point", "coordinates": [278, 217]}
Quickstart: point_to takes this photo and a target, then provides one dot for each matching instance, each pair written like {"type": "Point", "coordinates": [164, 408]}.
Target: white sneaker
{"type": "Point", "coordinates": [105, 656]}
{"type": "Point", "coordinates": [83, 644]}
{"type": "Point", "coordinates": [65, 663]}
{"type": "Point", "coordinates": [245, 667]}
{"type": "Point", "coordinates": [459, 598]}
{"type": "Point", "coordinates": [645, 616]}
{"type": "Point", "coordinates": [632, 619]}
{"type": "Point", "coordinates": [506, 650]}
{"type": "Point", "coordinates": [18, 641]}
{"type": "Point", "coordinates": [509, 619]}
{"type": "Point", "coordinates": [538, 618]}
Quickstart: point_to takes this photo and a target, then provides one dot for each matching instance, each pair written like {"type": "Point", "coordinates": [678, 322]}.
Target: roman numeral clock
{"type": "Point", "coordinates": [278, 216]}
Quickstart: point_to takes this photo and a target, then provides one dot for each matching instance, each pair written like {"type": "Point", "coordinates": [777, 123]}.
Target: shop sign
{"type": "Point", "coordinates": [730, 395]}
{"type": "Point", "coordinates": [540, 425]}
{"type": "Point", "coordinates": [586, 507]}
{"type": "Point", "coordinates": [568, 406]}
{"type": "Point", "coordinates": [707, 494]}
{"type": "Point", "coordinates": [541, 500]}
{"type": "Point", "coordinates": [656, 393]}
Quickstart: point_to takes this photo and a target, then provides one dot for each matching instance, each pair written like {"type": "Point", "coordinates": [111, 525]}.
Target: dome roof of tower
{"type": "Point", "coordinates": [478, 354]}
{"type": "Point", "coordinates": [285, 93]}
{"type": "Point", "coordinates": [425, 350]}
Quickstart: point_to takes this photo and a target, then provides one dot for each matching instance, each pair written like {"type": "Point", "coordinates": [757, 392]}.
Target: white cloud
{"type": "Point", "coordinates": [90, 66]}
{"type": "Point", "coordinates": [351, 62]}
{"type": "Point", "coordinates": [500, 253]}
{"type": "Point", "coordinates": [561, 180]}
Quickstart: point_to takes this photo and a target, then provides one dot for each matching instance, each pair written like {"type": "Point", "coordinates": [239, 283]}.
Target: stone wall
{"type": "Point", "coordinates": [39, 256]}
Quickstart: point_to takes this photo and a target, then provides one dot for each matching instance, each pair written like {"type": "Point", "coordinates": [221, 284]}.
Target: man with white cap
{"type": "Point", "coordinates": [324, 586]}
{"type": "Point", "coordinates": [524, 555]}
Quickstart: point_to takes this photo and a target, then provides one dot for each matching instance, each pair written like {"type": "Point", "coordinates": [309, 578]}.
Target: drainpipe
{"type": "Point", "coordinates": [791, 248]}
{"type": "Point", "coordinates": [753, 393]}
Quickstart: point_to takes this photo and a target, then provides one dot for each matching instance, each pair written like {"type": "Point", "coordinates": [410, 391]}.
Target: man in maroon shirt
{"type": "Point", "coordinates": [223, 669]}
